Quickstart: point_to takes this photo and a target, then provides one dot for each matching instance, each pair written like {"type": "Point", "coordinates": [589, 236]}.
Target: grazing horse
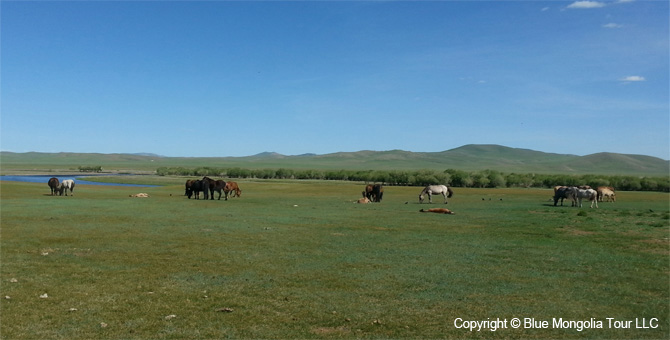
{"type": "Point", "coordinates": [66, 185]}
{"type": "Point", "coordinates": [232, 187]}
{"type": "Point", "coordinates": [215, 185]}
{"type": "Point", "coordinates": [610, 195]}
{"type": "Point", "coordinates": [561, 193]}
{"type": "Point", "coordinates": [436, 189]}
{"type": "Point", "coordinates": [53, 185]}
{"type": "Point", "coordinates": [439, 211]}
{"type": "Point", "coordinates": [579, 194]}
{"type": "Point", "coordinates": [606, 192]}
{"type": "Point", "coordinates": [189, 190]}
{"type": "Point", "coordinates": [374, 193]}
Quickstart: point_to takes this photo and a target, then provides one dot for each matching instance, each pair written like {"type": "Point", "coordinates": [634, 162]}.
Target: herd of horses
{"type": "Point", "coordinates": [58, 188]}
{"type": "Point", "coordinates": [205, 185]}
{"type": "Point", "coordinates": [371, 193]}
{"type": "Point", "coordinates": [577, 194]}
{"type": "Point", "coordinates": [209, 186]}
{"type": "Point", "coordinates": [375, 193]}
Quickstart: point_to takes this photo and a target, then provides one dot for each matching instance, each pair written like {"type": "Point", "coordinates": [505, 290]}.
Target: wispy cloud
{"type": "Point", "coordinates": [586, 4]}
{"type": "Point", "coordinates": [632, 78]}
{"type": "Point", "coordinates": [612, 25]}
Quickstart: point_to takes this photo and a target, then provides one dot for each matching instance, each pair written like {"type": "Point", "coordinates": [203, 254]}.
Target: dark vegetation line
{"type": "Point", "coordinates": [450, 177]}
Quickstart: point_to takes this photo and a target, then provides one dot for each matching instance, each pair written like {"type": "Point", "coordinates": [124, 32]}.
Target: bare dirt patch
{"type": "Point", "coordinates": [577, 232]}
{"type": "Point", "coordinates": [330, 330]}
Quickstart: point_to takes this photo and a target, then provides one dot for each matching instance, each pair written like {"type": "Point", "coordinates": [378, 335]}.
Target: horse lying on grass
{"type": "Point", "coordinates": [439, 211]}
{"type": "Point", "coordinates": [363, 200]}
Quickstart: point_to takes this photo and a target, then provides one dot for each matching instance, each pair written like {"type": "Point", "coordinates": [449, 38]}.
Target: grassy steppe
{"type": "Point", "coordinates": [468, 158]}
{"type": "Point", "coordinates": [300, 260]}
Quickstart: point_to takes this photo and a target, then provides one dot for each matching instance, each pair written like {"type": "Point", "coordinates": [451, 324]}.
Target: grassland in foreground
{"type": "Point", "coordinates": [300, 260]}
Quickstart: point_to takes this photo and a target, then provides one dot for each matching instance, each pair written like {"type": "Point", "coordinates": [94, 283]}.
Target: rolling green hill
{"type": "Point", "coordinates": [467, 157]}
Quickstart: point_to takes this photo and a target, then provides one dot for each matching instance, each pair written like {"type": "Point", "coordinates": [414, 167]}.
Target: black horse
{"type": "Point", "coordinates": [197, 187]}
{"type": "Point", "coordinates": [561, 194]}
{"type": "Point", "coordinates": [54, 185]}
{"type": "Point", "coordinates": [215, 185]}
{"type": "Point", "coordinates": [374, 192]}
{"type": "Point", "coordinates": [189, 190]}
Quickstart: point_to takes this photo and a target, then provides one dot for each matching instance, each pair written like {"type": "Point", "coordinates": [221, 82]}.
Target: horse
{"type": "Point", "coordinates": [560, 193]}
{"type": "Point", "coordinates": [232, 187]}
{"type": "Point", "coordinates": [439, 211]}
{"type": "Point", "coordinates": [363, 200]}
{"type": "Point", "coordinates": [215, 185]}
{"type": "Point", "coordinates": [374, 192]}
{"type": "Point", "coordinates": [579, 194]}
{"type": "Point", "coordinates": [197, 186]}
{"type": "Point", "coordinates": [66, 185]}
{"type": "Point", "coordinates": [436, 189]}
{"type": "Point", "coordinates": [53, 185]}
{"type": "Point", "coordinates": [606, 192]}
{"type": "Point", "coordinates": [189, 190]}
{"type": "Point", "coordinates": [205, 187]}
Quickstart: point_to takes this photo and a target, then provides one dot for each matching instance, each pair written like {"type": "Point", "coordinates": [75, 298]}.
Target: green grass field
{"type": "Point", "coordinates": [297, 259]}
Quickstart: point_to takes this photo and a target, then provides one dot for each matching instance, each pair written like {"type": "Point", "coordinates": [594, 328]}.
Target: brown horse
{"type": "Point", "coordinates": [54, 184]}
{"type": "Point", "coordinates": [439, 211]}
{"type": "Point", "coordinates": [232, 187]}
{"type": "Point", "coordinates": [215, 185]}
{"type": "Point", "coordinates": [189, 190]}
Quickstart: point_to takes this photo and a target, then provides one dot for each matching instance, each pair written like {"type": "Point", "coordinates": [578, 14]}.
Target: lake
{"type": "Point", "coordinates": [78, 179]}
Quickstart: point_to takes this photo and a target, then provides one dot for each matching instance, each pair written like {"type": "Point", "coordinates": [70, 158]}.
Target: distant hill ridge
{"type": "Point", "coordinates": [470, 157]}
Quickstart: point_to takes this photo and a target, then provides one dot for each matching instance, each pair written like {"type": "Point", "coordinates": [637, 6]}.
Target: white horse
{"type": "Point", "coordinates": [435, 189]}
{"type": "Point", "coordinates": [578, 194]}
{"type": "Point", "coordinates": [66, 185]}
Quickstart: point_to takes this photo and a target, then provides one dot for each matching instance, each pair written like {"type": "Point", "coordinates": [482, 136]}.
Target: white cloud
{"type": "Point", "coordinates": [633, 78]}
{"type": "Point", "coordinates": [545, 9]}
{"type": "Point", "coordinates": [586, 4]}
{"type": "Point", "coordinates": [612, 25]}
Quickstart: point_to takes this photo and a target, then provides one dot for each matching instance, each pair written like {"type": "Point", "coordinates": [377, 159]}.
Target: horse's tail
{"type": "Point", "coordinates": [451, 192]}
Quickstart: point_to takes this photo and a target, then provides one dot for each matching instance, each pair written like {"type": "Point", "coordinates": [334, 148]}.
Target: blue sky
{"type": "Point", "coordinates": [220, 78]}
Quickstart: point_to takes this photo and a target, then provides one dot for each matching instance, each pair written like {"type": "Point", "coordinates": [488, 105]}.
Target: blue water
{"type": "Point", "coordinates": [78, 179]}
